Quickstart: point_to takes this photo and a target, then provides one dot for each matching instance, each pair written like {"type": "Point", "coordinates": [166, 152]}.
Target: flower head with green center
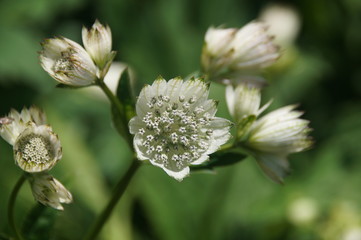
{"type": "Point", "coordinates": [176, 127]}
{"type": "Point", "coordinates": [49, 191]}
{"type": "Point", "coordinates": [36, 147]}
{"type": "Point", "coordinates": [231, 56]}
{"type": "Point", "coordinates": [272, 137]}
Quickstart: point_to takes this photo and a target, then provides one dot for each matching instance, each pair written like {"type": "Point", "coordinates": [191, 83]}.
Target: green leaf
{"type": "Point", "coordinates": [126, 95]}
{"type": "Point", "coordinates": [118, 121]}
{"type": "Point", "coordinates": [221, 159]}
{"type": "Point", "coordinates": [39, 223]}
{"type": "Point", "coordinates": [4, 237]}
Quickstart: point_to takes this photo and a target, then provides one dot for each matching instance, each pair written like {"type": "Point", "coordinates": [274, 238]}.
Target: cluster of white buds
{"type": "Point", "coordinates": [232, 56]}
{"type": "Point", "coordinates": [69, 63]}
{"type": "Point", "coordinates": [36, 147]}
{"type": "Point", "coordinates": [176, 127]}
{"type": "Point", "coordinates": [272, 137]}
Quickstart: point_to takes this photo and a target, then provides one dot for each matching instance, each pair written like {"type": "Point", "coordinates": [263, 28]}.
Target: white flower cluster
{"type": "Point", "coordinates": [175, 126]}
{"type": "Point", "coordinates": [272, 137]}
{"type": "Point", "coordinates": [36, 150]}
{"type": "Point", "coordinates": [232, 56]}
{"type": "Point", "coordinates": [69, 63]}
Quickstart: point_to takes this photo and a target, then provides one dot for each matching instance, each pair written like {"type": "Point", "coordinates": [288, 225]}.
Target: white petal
{"type": "Point", "coordinates": [135, 124]}
{"type": "Point", "coordinates": [177, 175]}
{"type": "Point", "coordinates": [274, 166]}
{"type": "Point", "coordinates": [230, 98]}
{"type": "Point", "coordinates": [137, 143]}
{"type": "Point", "coordinates": [195, 88]}
{"type": "Point", "coordinates": [218, 41]}
{"type": "Point", "coordinates": [159, 87]}
{"type": "Point", "coordinates": [200, 160]}
{"type": "Point", "coordinates": [174, 88]}
{"type": "Point", "coordinates": [221, 133]}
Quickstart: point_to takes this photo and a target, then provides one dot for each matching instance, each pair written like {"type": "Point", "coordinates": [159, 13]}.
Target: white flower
{"type": "Point", "coordinates": [244, 101]}
{"type": "Point", "coordinates": [176, 125]}
{"type": "Point", "coordinates": [67, 62]}
{"type": "Point", "coordinates": [49, 191]}
{"type": "Point", "coordinates": [36, 147]}
{"type": "Point", "coordinates": [238, 55]}
{"type": "Point", "coordinates": [276, 135]}
{"type": "Point", "coordinates": [98, 43]}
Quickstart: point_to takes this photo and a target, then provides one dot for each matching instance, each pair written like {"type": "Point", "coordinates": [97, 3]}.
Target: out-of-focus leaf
{"type": "Point", "coordinates": [126, 95]}
{"type": "Point", "coordinates": [4, 237]}
{"type": "Point", "coordinates": [39, 223]}
{"type": "Point", "coordinates": [118, 121]}
{"type": "Point", "coordinates": [221, 159]}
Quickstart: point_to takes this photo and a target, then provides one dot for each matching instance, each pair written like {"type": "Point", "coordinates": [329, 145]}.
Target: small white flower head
{"type": "Point", "coordinates": [243, 101]}
{"type": "Point", "coordinates": [67, 62]}
{"type": "Point", "coordinates": [176, 127]}
{"type": "Point", "coordinates": [49, 191]}
{"type": "Point", "coordinates": [276, 135]}
{"type": "Point", "coordinates": [98, 43]}
{"type": "Point", "coordinates": [36, 147]}
{"type": "Point", "coordinates": [233, 55]}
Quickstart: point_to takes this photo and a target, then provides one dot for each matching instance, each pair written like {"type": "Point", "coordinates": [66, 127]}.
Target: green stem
{"type": "Point", "coordinates": [11, 205]}
{"type": "Point", "coordinates": [120, 108]}
{"type": "Point", "coordinates": [117, 194]}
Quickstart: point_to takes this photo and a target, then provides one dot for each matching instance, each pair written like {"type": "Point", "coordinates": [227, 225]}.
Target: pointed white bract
{"type": "Point", "coordinates": [98, 43]}
{"type": "Point", "coordinates": [67, 62]}
{"type": "Point", "coordinates": [176, 127]}
{"type": "Point", "coordinates": [36, 147]}
{"type": "Point", "coordinates": [244, 101]}
{"type": "Point", "coordinates": [233, 55]}
{"type": "Point", "coordinates": [272, 137]}
{"type": "Point", "coordinates": [49, 191]}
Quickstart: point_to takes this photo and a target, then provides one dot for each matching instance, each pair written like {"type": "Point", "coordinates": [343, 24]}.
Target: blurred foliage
{"type": "Point", "coordinates": [320, 71]}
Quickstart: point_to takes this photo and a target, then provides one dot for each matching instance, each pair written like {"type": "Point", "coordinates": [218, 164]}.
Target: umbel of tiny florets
{"type": "Point", "coordinates": [49, 191]}
{"type": "Point", "coordinates": [176, 127]}
{"type": "Point", "coordinates": [272, 137]}
{"type": "Point", "coordinates": [232, 56]}
{"type": "Point", "coordinates": [36, 147]}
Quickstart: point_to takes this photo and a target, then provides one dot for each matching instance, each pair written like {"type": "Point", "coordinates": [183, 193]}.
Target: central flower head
{"type": "Point", "coordinates": [37, 149]}
{"type": "Point", "coordinates": [175, 125]}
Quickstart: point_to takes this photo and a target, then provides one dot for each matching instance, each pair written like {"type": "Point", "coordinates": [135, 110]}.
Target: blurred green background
{"type": "Point", "coordinates": [320, 69]}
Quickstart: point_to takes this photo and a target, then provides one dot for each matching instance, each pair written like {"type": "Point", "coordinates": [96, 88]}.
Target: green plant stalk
{"type": "Point", "coordinates": [11, 205]}
{"type": "Point", "coordinates": [117, 194]}
{"type": "Point", "coordinates": [120, 108]}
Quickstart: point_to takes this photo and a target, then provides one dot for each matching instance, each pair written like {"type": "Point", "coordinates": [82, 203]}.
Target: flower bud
{"type": "Point", "coordinates": [244, 101]}
{"type": "Point", "coordinates": [276, 135]}
{"type": "Point", "coordinates": [49, 191]}
{"type": "Point", "coordinates": [233, 56]}
{"type": "Point", "coordinates": [36, 147]}
{"type": "Point", "coordinates": [67, 62]}
{"type": "Point", "coordinates": [98, 42]}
